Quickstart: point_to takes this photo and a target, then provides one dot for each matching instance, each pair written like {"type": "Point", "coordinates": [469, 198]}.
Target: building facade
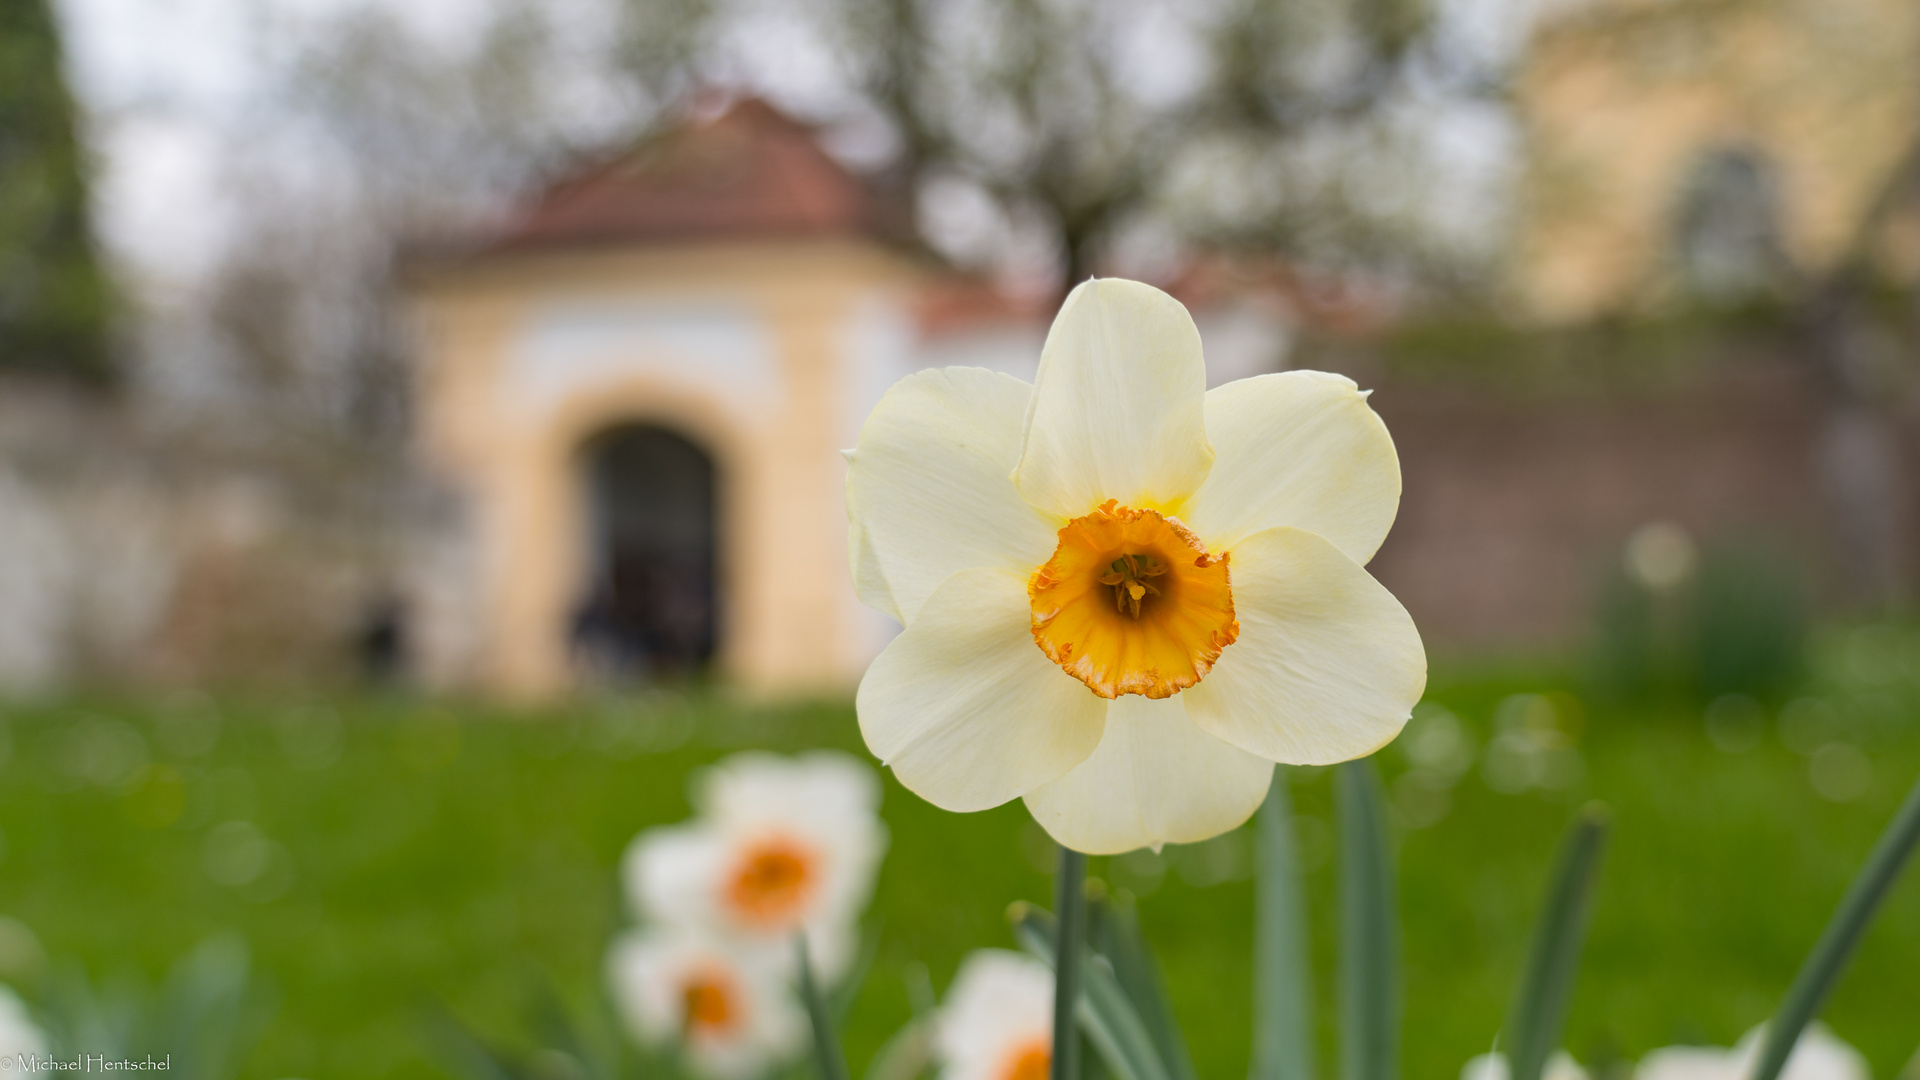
{"type": "Point", "coordinates": [1708, 146]}
{"type": "Point", "coordinates": [635, 400]}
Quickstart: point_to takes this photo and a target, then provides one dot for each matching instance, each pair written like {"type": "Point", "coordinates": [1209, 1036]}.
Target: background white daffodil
{"type": "Point", "coordinates": [997, 1021]}
{"type": "Point", "coordinates": [1819, 1055]}
{"type": "Point", "coordinates": [778, 844]}
{"type": "Point", "coordinates": [1126, 596]}
{"type": "Point", "coordinates": [1494, 1066]}
{"type": "Point", "coordinates": [18, 1033]}
{"type": "Point", "coordinates": [729, 1011]}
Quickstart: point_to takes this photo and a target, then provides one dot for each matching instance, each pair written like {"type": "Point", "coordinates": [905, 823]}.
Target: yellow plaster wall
{"type": "Point", "coordinates": [788, 620]}
{"type": "Point", "coordinates": [1617, 100]}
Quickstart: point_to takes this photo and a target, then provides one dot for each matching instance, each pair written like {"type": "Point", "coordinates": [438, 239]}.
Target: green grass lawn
{"type": "Point", "coordinates": [386, 857]}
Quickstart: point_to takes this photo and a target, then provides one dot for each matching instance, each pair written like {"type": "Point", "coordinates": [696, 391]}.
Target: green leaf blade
{"type": "Point", "coordinates": [1369, 929]}
{"type": "Point", "coordinates": [1105, 1014]}
{"type": "Point", "coordinates": [1540, 1004]}
{"type": "Point", "coordinates": [1829, 957]}
{"type": "Point", "coordinates": [1116, 935]}
{"type": "Point", "coordinates": [907, 1054]}
{"type": "Point", "coordinates": [829, 1059]}
{"type": "Point", "coordinates": [1282, 973]}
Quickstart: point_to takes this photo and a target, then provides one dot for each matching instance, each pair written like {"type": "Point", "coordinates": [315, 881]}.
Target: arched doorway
{"type": "Point", "coordinates": [649, 607]}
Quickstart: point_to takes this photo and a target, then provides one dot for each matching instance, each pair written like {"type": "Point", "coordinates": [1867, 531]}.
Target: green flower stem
{"type": "Point", "coordinates": [828, 1058]}
{"type": "Point", "coordinates": [1823, 966]}
{"type": "Point", "coordinates": [1070, 908]}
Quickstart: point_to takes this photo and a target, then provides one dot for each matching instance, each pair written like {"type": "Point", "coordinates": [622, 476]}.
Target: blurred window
{"type": "Point", "coordinates": [1727, 234]}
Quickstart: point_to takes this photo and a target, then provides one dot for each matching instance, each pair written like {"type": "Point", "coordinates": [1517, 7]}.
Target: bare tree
{"type": "Point", "coordinates": [1271, 127]}
{"type": "Point", "coordinates": [1867, 385]}
{"type": "Point", "coordinates": [1043, 104]}
{"type": "Point", "coordinates": [1244, 122]}
{"type": "Point", "coordinates": [371, 141]}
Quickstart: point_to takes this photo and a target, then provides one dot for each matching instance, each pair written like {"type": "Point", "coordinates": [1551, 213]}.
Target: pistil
{"type": "Point", "coordinates": [1128, 576]}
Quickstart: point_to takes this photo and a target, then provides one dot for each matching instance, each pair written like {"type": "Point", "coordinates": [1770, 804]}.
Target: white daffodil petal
{"type": "Point", "coordinates": [928, 492]}
{"type": "Point", "coordinates": [869, 580]}
{"type": "Point", "coordinates": [1302, 449]}
{"type": "Point", "coordinates": [671, 871]}
{"type": "Point", "coordinates": [19, 1036]}
{"type": "Point", "coordinates": [821, 806]}
{"type": "Point", "coordinates": [1118, 406]}
{"type": "Point", "coordinates": [998, 1009]}
{"type": "Point", "coordinates": [1328, 665]}
{"type": "Point", "coordinates": [1817, 1055]}
{"type": "Point", "coordinates": [1493, 1066]}
{"type": "Point", "coordinates": [754, 1024]}
{"type": "Point", "coordinates": [1155, 779]}
{"type": "Point", "coordinates": [1689, 1063]}
{"type": "Point", "coordinates": [755, 786]}
{"type": "Point", "coordinates": [964, 707]}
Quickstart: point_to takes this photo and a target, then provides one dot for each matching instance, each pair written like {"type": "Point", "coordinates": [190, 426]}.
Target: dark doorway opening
{"type": "Point", "coordinates": [650, 605]}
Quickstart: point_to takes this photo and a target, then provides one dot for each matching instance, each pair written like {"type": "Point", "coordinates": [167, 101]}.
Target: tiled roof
{"type": "Point", "coordinates": [751, 171]}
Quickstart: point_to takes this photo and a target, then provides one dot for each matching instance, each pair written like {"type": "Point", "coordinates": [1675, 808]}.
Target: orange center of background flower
{"type": "Point", "coordinates": [773, 882]}
{"type": "Point", "coordinates": [1131, 603]}
{"type": "Point", "coordinates": [708, 1001]}
{"type": "Point", "coordinates": [1028, 1061]}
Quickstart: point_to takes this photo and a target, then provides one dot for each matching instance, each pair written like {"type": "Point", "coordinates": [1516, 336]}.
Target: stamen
{"type": "Point", "coordinates": [706, 1004]}
{"type": "Point", "coordinates": [1127, 576]}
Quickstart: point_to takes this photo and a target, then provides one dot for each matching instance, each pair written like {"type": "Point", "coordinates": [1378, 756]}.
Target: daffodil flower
{"type": "Point", "coordinates": [19, 1036]}
{"type": "Point", "coordinates": [1126, 596]}
{"type": "Point", "coordinates": [725, 1010]}
{"type": "Point", "coordinates": [779, 845]}
{"type": "Point", "coordinates": [997, 1021]}
{"type": "Point", "coordinates": [1818, 1055]}
{"type": "Point", "coordinates": [1494, 1066]}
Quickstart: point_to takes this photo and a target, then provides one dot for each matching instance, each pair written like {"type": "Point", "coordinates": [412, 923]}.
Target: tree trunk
{"type": "Point", "coordinates": [1860, 458]}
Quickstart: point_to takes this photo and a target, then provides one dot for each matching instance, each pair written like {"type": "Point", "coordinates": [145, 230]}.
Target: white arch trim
{"type": "Point", "coordinates": [566, 349]}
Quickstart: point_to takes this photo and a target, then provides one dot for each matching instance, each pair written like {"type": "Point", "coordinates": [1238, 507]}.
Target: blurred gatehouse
{"type": "Point", "coordinates": [638, 393]}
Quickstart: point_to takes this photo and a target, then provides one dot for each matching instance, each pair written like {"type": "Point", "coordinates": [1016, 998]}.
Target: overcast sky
{"type": "Point", "coordinates": [165, 81]}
